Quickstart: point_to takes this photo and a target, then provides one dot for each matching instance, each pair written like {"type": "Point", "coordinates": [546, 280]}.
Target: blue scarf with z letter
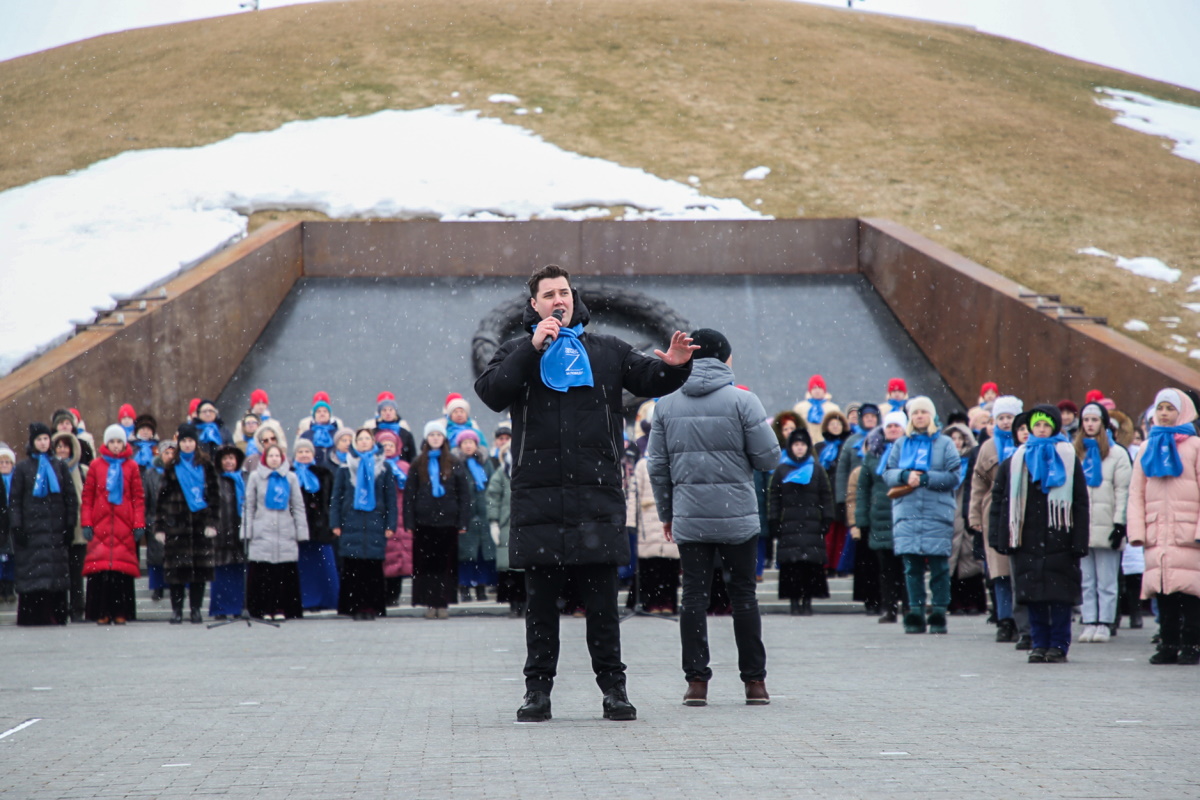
{"type": "Point", "coordinates": [210, 433]}
{"type": "Point", "coordinates": [143, 452]}
{"type": "Point", "coordinates": [364, 492]}
{"type": "Point", "coordinates": [1093, 465]}
{"type": "Point", "coordinates": [309, 482]}
{"type": "Point", "coordinates": [1160, 456]}
{"type": "Point", "coordinates": [191, 479]}
{"type": "Point", "coordinates": [565, 362]}
{"type": "Point", "coordinates": [322, 434]}
{"type": "Point", "coordinates": [435, 473]}
{"type": "Point", "coordinates": [278, 491]}
{"type": "Point", "coordinates": [114, 480]}
{"type": "Point", "coordinates": [397, 472]}
{"type": "Point", "coordinates": [46, 481]}
{"type": "Point", "coordinates": [916, 452]}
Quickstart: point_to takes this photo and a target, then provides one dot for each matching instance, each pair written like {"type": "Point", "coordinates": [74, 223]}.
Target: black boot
{"type": "Point", "coordinates": [464, 594]}
{"type": "Point", "coordinates": [196, 598]}
{"type": "Point", "coordinates": [176, 604]}
{"type": "Point", "coordinates": [536, 707]}
{"type": "Point", "coordinates": [1006, 630]}
{"type": "Point", "coordinates": [617, 705]}
{"type": "Point", "coordinates": [1166, 654]}
{"type": "Point", "coordinates": [1189, 654]}
{"type": "Point", "coordinates": [1024, 642]}
{"type": "Point", "coordinates": [1135, 616]}
{"type": "Point", "coordinates": [157, 594]}
{"type": "Point", "coordinates": [481, 592]}
{"type": "Point", "coordinates": [889, 615]}
{"type": "Point", "coordinates": [795, 606]}
{"type": "Point", "coordinates": [806, 607]}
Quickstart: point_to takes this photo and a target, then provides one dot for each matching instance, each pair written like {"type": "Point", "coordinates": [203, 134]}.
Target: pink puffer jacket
{"type": "Point", "coordinates": [398, 557]}
{"type": "Point", "coordinates": [1164, 515]}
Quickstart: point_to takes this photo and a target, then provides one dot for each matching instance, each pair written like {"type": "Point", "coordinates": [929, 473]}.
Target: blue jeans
{"type": "Point", "coordinates": [1004, 597]}
{"type": "Point", "coordinates": [939, 581]}
{"type": "Point", "coordinates": [1050, 625]}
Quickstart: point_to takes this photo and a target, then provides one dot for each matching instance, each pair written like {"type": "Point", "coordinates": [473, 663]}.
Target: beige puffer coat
{"type": "Point", "coordinates": [641, 513]}
{"type": "Point", "coordinates": [982, 479]}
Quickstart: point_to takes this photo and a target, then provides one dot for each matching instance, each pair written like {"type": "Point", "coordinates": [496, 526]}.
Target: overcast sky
{"type": "Point", "coordinates": [1156, 38]}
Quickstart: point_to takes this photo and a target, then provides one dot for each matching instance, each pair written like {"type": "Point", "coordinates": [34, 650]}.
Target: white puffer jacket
{"type": "Point", "coordinates": [1110, 498]}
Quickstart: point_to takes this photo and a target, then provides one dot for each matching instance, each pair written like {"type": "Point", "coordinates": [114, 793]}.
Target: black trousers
{"type": "Point", "coordinates": [891, 580]}
{"type": "Point", "coordinates": [596, 585]}
{"type": "Point", "coordinates": [1179, 617]}
{"type": "Point", "coordinates": [739, 561]}
{"type": "Point", "coordinates": [78, 554]}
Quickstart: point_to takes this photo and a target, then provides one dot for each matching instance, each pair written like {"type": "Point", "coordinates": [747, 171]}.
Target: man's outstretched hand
{"type": "Point", "coordinates": [680, 351]}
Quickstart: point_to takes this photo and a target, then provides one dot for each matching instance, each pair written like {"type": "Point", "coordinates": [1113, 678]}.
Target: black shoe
{"type": "Point", "coordinates": [156, 595]}
{"type": "Point", "coordinates": [177, 617]}
{"type": "Point", "coordinates": [888, 616]}
{"type": "Point", "coordinates": [1165, 655]}
{"type": "Point", "coordinates": [806, 607]}
{"type": "Point", "coordinates": [481, 592]}
{"type": "Point", "coordinates": [1135, 620]}
{"type": "Point", "coordinates": [1055, 656]}
{"type": "Point", "coordinates": [464, 594]}
{"type": "Point", "coordinates": [197, 617]}
{"type": "Point", "coordinates": [1189, 655]}
{"type": "Point", "coordinates": [617, 705]}
{"type": "Point", "coordinates": [536, 707]}
{"type": "Point", "coordinates": [795, 606]}
{"type": "Point", "coordinates": [1037, 655]}
{"type": "Point", "coordinates": [1006, 630]}
{"type": "Point", "coordinates": [1025, 642]}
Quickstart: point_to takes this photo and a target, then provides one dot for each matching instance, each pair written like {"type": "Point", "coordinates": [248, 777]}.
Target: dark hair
{"type": "Point", "coordinates": [548, 271]}
{"type": "Point", "coordinates": [445, 462]}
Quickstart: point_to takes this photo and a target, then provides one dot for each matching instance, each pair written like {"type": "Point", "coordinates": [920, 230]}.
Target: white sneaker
{"type": "Point", "coordinates": [1102, 634]}
{"type": "Point", "coordinates": [1087, 634]}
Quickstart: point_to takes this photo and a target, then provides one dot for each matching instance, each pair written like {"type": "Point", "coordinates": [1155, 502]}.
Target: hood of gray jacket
{"type": "Point", "coordinates": [708, 375]}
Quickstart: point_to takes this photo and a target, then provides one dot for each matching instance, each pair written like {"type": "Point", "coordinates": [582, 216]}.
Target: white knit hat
{"type": "Point", "coordinates": [7, 452]}
{"type": "Point", "coordinates": [1170, 396]}
{"type": "Point", "coordinates": [1007, 405]}
{"type": "Point", "coordinates": [921, 403]}
{"type": "Point", "coordinates": [895, 418]}
{"type": "Point", "coordinates": [115, 432]}
{"type": "Point", "coordinates": [435, 426]}
{"type": "Point", "coordinates": [458, 402]}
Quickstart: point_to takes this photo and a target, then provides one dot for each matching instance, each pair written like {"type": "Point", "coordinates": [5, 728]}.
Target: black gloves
{"type": "Point", "coordinates": [88, 533]}
{"type": "Point", "coordinates": [1117, 536]}
{"type": "Point", "coordinates": [977, 548]}
{"type": "Point", "coordinates": [866, 531]}
{"type": "Point", "coordinates": [139, 534]}
{"type": "Point", "coordinates": [841, 512]}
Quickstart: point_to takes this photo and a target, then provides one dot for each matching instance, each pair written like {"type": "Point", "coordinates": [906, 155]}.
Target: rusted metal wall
{"type": "Point", "coordinates": [401, 249]}
{"type": "Point", "coordinates": [191, 342]}
{"type": "Point", "coordinates": [974, 326]}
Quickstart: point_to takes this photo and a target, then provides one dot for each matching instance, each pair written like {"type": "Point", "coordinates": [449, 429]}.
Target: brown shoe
{"type": "Point", "coordinates": [756, 693]}
{"type": "Point", "coordinates": [696, 694]}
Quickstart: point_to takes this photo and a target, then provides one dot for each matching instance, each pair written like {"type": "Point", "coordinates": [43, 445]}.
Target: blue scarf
{"type": "Point", "coordinates": [802, 473]}
{"type": "Point", "coordinates": [114, 480]}
{"type": "Point", "coordinates": [46, 481]}
{"type": "Point", "coordinates": [435, 473]}
{"type": "Point", "coordinates": [338, 456]}
{"type": "Point", "coordinates": [1093, 471]}
{"type": "Point", "coordinates": [565, 362]}
{"type": "Point", "coordinates": [400, 475]}
{"type": "Point", "coordinates": [816, 410]}
{"type": "Point", "coordinates": [322, 434]}
{"type": "Point", "coordinates": [1160, 454]}
{"type": "Point", "coordinates": [309, 482]}
{"type": "Point", "coordinates": [239, 483]}
{"type": "Point", "coordinates": [916, 452]}
{"type": "Point", "coordinates": [1044, 463]}
{"type": "Point", "coordinates": [829, 453]}
{"type": "Point", "coordinates": [897, 405]}
{"type": "Point", "coordinates": [883, 459]}
{"type": "Point", "coordinates": [252, 447]}
{"type": "Point", "coordinates": [364, 492]}
{"type": "Point", "coordinates": [1005, 446]}
{"type": "Point", "coordinates": [963, 465]}
{"type": "Point", "coordinates": [478, 473]}
{"type": "Point", "coordinates": [209, 433]}
{"type": "Point", "coordinates": [278, 491]}
{"type": "Point", "coordinates": [191, 479]}
{"type": "Point", "coordinates": [7, 485]}
{"type": "Point", "coordinates": [143, 452]}
{"type": "Point", "coordinates": [128, 431]}
{"type": "Point", "coordinates": [394, 427]}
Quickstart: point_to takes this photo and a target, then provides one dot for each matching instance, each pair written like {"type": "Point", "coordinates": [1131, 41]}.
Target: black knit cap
{"type": "Point", "coordinates": [36, 429]}
{"type": "Point", "coordinates": [188, 431]}
{"type": "Point", "coordinates": [713, 344]}
{"type": "Point", "coordinates": [799, 435]}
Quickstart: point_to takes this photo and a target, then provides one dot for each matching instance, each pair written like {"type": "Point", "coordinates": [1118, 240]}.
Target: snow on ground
{"type": "Point", "coordinates": [1136, 325]}
{"type": "Point", "coordinates": [1146, 114]}
{"type": "Point", "coordinates": [756, 174]}
{"type": "Point", "coordinates": [1146, 266]}
{"type": "Point", "coordinates": [134, 220]}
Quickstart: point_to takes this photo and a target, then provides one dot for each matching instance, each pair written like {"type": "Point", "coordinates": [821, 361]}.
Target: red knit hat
{"type": "Point", "coordinates": [989, 386]}
{"type": "Point", "coordinates": [126, 411]}
{"type": "Point", "coordinates": [815, 382]}
{"type": "Point", "coordinates": [449, 397]}
{"type": "Point", "coordinates": [321, 397]}
{"type": "Point", "coordinates": [1094, 396]}
{"type": "Point", "coordinates": [259, 396]}
{"type": "Point", "coordinates": [192, 406]}
{"type": "Point", "coordinates": [897, 385]}
{"type": "Point", "coordinates": [384, 396]}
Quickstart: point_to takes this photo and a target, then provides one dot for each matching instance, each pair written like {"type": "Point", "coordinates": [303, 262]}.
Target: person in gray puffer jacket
{"type": "Point", "coordinates": [274, 522]}
{"type": "Point", "coordinates": [706, 440]}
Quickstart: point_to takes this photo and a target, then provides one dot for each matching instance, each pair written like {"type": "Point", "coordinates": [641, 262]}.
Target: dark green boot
{"type": "Point", "coordinates": [914, 622]}
{"type": "Point", "coordinates": [937, 620]}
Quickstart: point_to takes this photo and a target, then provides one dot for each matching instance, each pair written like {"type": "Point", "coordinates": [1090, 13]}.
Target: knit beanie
{"type": "Point", "coordinates": [187, 431]}
{"type": "Point", "coordinates": [868, 408]}
{"type": "Point", "coordinates": [921, 403]}
{"type": "Point", "coordinates": [384, 435]}
{"type": "Point", "coordinates": [1094, 396]}
{"type": "Point", "coordinates": [146, 421]}
{"type": "Point", "coordinates": [466, 434]}
{"type": "Point", "coordinates": [1045, 413]}
{"type": "Point", "coordinates": [1067, 405]}
{"type": "Point", "coordinates": [1169, 396]}
{"type": "Point", "coordinates": [895, 418]}
{"type": "Point", "coordinates": [713, 344]}
{"type": "Point", "coordinates": [193, 406]}
{"type": "Point", "coordinates": [816, 382]}
{"type": "Point", "coordinates": [458, 401]}
{"type": "Point", "coordinates": [7, 452]}
{"type": "Point", "coordinates": [304, 444]}
{"type": "Point", "coordinates": [989, 386]}
{"type": "Point", "coordinates": [801, 434]}
{"type": "Point", "coordinates": [1007, 405]}
{"type": "Point", "coordinates": [259, 396]}
{"type": "Point", "coordinates": [126, 411]}
{"type": "Point", "coordinates": [435, 426]}
{"type": "Point", "coordinates": [897, 385]}
{"type": "Point", "coordinates": [115, 432]}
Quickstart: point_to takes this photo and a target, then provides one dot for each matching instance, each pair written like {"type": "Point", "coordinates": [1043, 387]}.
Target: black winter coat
{"type": "Point", "coordinates": [1046, 565]}
{"type": "Point", "coordinates": [364, 533]}
{"type": "Point", "coordinates": [451, 510]}
{"type": "Point", "coordinates": [42, 529]}
{"type": "Point", "coordinates": [188, 553]}
{"type": "Point", "coordinates": [152, 483]}
{"type": "Point", "coordinates": [568, 506]}
{"type": "Point", "coordinates": [316, 507]}
{"type": "Point", "coordinates": [227, 547]}
{"type": "Point", "coordinates": [6, 546]}
{"type": "Point", "coordinates": [799, 514]}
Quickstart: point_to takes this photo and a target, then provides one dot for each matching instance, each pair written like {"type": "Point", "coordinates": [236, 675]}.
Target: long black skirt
{"type": "Point", "coordinates": [435, 567]}
{"type": "Point", "coordinates": [510, 587]}
{"type": "Point", "coordinates": [273, 589]}
{"type": "Point", "coordinates": [109, 596]}
{"type": "Point", "coordinates": [42, 608]}
{"type": "Point", "coordinates": [363, 589]}
{"type": "Point", "coordinates": [801, 579]}
{"type": "Point", "coordinates": [866, 574]}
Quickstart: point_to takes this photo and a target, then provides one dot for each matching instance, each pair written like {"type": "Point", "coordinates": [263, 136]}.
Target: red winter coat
{"type": "Point", "coordinates": [112, 548]}
{"type": "Point", "coordinates": [398, 557]}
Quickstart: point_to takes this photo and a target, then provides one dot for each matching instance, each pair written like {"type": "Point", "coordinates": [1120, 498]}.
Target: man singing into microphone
{"type": "Point", "coordinates": [568, 510]}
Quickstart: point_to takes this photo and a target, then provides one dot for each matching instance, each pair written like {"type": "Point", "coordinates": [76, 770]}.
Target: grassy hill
{"type": "Point", "coordinates": [993, 148]}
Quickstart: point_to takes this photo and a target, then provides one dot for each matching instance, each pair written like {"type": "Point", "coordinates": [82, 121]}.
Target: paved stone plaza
{"type": "Point", "coordinates": [409, 708]}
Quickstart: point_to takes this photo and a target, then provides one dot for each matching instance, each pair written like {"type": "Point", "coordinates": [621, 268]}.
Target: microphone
{"type": "Point", "coordinates": [558, 314]}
